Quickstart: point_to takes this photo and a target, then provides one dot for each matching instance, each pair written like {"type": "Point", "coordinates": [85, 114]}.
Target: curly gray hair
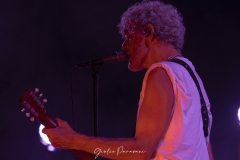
{"type": "Point", "coordinates": [166, 20]}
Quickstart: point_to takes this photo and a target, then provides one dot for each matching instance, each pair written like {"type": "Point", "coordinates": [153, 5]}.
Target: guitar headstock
{"type": "Point", "coordinates": [34, 107]}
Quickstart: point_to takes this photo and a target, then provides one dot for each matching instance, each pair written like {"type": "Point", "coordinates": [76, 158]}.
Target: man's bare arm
{"type": "Point", "coordinates": [153, 118]}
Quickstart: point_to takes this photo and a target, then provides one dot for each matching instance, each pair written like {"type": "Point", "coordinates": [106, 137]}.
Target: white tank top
{"type": "Point", "coordinates": [184, 138]}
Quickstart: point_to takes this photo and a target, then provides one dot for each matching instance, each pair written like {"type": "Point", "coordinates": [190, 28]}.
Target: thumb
{"type": "Point", "coordinates": [45, 130]}
{"type": "Point", "coordinates": [61, 123]}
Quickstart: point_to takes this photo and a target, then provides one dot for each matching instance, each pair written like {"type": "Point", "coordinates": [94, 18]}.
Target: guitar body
{"type": "Point", "coordinates": [36, 109]}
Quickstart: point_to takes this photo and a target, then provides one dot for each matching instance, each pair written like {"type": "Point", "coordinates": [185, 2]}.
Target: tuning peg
{"type": "Point", "coordinates": [27, 114]}
{"type": "Point", "coordinates": [44, 101]}
{"type": "Point", "coordinates": [22, 110]}
{"type": "Point", "coordinates": [40, 95]}
{"type": "Point", "coordinates": [36, 90]}
{"type": "Point", "coordinates": [32, 119]}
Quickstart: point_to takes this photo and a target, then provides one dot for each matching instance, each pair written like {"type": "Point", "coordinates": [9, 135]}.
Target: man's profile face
{"type": "Point", "coordinates": [134, 45]}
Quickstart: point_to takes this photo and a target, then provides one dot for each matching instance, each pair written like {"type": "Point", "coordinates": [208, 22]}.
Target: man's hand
{"type": "Point", "coordinates": [61, 136]}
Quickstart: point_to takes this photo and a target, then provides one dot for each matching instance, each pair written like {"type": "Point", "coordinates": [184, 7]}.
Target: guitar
{"type": "Point", "coordinates": [35, 108]}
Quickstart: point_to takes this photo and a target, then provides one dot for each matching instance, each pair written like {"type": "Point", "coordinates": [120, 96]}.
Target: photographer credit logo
{"type": "Point", "coordinates": [118, 151]}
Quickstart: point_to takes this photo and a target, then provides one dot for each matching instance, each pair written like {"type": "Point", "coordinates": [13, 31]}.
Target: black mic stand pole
{"type": "Point", "coordinates": [95, 95]}
{"type": "Point", "coordinates": [95, 65]}
{"type": "Point", "coordinates": [95, 99]}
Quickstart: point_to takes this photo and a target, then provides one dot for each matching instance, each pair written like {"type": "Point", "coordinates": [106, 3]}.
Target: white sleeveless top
{"type": "Point", "coordinates": [184, 138]}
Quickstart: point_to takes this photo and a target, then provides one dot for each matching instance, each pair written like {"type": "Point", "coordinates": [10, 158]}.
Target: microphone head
{"type": "Point", "coordinates": [121, 56]}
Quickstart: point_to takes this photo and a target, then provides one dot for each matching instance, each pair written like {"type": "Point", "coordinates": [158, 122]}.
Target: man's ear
{"type": "Point", "coordinates": [149, 29]}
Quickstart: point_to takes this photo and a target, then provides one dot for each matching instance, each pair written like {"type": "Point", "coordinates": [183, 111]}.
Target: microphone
{"type": "Point", "coordinates": [119, 56]}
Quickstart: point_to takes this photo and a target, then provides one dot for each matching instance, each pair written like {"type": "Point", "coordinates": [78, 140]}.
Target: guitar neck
{"type": "Point", "coordinates": [34, 107]}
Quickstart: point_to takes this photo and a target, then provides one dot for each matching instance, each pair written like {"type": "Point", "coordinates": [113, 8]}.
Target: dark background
{"type": "Point", "coordinates": [40, 41]}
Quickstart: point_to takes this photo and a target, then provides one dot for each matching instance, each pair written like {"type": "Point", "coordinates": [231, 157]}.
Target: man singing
{"type": "Point", "coordinates": [169, 123]}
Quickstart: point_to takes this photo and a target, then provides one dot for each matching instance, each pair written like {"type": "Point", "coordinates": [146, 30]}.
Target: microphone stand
{"type": "Point", "coordinates": [95, 68]}
{"type": "Point", "coordinates": [95, 96]}
{"type": "Point", "coordinates": [95, 65]}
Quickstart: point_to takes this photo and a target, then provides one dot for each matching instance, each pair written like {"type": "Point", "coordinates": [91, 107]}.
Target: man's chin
{"type": "Point", "coordinates": [135, 69]}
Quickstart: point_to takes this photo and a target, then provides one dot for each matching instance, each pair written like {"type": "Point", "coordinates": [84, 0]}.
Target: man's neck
{"type": "Point", "coordinates": [160, 52]}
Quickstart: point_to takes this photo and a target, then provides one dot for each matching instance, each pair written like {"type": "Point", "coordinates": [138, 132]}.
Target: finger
{"type": "Point", "coordinates": [61, 122]}
{"type": "Point", "coordinates": [45, 131]}
{"type": "Point", "coordinates": [56, 145]}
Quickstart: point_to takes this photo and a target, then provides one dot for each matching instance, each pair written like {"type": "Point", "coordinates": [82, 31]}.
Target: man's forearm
{"type": "Point", "coordinates": [112, 148]}
{"type": "Point", "coordinates": [82, 155]}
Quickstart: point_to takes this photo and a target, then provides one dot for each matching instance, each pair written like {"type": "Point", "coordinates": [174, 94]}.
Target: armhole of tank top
{"type": "Point", "coordinates": [174, 101]}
